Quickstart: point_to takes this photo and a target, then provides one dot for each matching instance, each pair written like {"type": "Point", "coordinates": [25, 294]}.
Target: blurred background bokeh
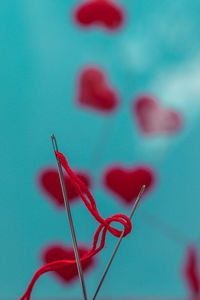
{"type": "Point", "coordinates": [153, 55]}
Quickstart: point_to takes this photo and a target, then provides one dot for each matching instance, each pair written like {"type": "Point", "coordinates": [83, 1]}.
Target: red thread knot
{"type": "Point", "coordinates": [105, 225]}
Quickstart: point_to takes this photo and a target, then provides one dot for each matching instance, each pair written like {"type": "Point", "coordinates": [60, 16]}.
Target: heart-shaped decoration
{"type": "Point", "coordinates": [191, 271]}
{"type": "Point", "coordinates": [126, 183]}
{"type": "Point", "coordinates": [94, 91]}
{"type": "Point", "coordinates": [152, 118]}
{"type": "Point", "coordinates": [69, 273]}
{"type": "Point", "coordinates": [49, 183]}
{"type": "Point", "coordinates": [105, 13]}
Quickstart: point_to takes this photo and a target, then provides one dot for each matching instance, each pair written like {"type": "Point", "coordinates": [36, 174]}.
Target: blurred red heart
{"type": "Point", "coordinates": [191, 271]}
{"type": "Point", "coordinates": [58, 252]}
{"type": "Point", "coordinates": [104, 13]}
{"type": "Point", "coordinates": [94, 92]}
{"type": "Point", "coordinates": [153, 118]}
{"type": "Point", "coordinates": [126, 183]}
{"type": "Point", "coordinates": [50, 184]}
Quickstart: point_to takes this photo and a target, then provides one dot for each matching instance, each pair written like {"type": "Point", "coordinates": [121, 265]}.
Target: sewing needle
{"type": "Point", "coordinates": [67, 206]}
{"type": "Point", "coordinates": [118, 243]}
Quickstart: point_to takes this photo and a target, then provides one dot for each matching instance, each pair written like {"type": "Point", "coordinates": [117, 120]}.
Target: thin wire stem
{"type": "Point", "coordinates": [166, 229]}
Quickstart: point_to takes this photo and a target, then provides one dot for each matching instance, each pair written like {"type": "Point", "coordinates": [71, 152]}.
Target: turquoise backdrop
{"type": "Point", "coordinates": [41, 53]}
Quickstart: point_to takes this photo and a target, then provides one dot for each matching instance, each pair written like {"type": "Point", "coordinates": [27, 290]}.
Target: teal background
{"type": "Point", "coordinates": [41, 53]}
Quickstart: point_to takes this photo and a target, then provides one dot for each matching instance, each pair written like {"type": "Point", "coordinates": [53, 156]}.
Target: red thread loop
{"type": "Point", "coordinates": [105, 225]}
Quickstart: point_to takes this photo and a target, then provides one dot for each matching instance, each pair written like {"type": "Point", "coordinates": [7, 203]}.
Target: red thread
{"type": "Point", "coordinates": [104, 226]}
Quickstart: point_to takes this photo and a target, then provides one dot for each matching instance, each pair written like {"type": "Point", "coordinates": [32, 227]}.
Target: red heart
{"type": "Point", "coordinates": [153, 118]}
{"type": "Point", "coordinates": [58, 252]}
{"type": "Point", "coordinates": [191, 271]}
{"type": "Point", "coordinates": [104, 13]}
{"type": "Point", "coordinates": [127, 182]}
{"type": "Point", "coordinates": [94, 91]}
{"type": "Point", "coordinates": [50, 183]}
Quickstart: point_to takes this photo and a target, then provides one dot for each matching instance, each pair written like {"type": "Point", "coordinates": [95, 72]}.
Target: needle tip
{"type": "Point", "coordinates": [142, 190]}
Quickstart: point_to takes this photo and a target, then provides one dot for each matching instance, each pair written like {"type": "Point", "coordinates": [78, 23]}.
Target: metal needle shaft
{"type": "Point", "coordinates": [118, 243]}
{"type": "Point", "coordinates": [67, 206]}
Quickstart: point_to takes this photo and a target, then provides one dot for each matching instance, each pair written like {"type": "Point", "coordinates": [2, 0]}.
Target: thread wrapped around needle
{"type": "Point", "coordinates": [67, 206]}
{"type": "Point", "coordinates": [104, 227]}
